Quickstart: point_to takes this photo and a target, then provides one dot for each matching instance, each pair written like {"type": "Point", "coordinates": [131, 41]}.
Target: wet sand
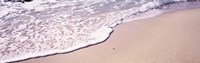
{"type": "Point", "coordinates": [173, 37]}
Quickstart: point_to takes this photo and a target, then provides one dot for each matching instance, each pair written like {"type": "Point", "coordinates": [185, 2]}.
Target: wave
{"type": "Point", "coordinates": [44, 27]}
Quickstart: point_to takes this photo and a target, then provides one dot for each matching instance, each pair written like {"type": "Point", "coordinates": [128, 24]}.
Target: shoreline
{"type": "Point", "coordinates": [76, 48]}
{"type": "Point", "coordinates": [111, 48]}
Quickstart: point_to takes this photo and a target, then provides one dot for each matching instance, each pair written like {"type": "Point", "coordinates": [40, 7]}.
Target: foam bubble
{"type": "Point", "coordinates": [53, 28]}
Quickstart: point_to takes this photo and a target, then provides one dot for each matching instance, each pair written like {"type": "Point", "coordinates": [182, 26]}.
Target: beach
{"type": "Point", "coordinates": [172, 37]}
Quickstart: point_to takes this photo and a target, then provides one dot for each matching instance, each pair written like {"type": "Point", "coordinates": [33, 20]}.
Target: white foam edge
{"type": "Point", "coordinates": [148, 14]}
{"type": "Point", "coordinates": [143, 8]}
{"type": "Point", "coordinates": [155, 12]}
{"type": "Point", "coordinates": [105, 33]}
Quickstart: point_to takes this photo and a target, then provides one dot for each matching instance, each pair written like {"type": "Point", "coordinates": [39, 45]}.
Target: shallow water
{"type": "Point", "coordinates": [44, 27]}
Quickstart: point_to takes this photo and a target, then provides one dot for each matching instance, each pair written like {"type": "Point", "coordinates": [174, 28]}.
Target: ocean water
{"type": "Point", "coordinates": [46, 27]}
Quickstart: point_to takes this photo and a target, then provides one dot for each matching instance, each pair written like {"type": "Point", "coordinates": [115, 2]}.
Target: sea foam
{"type": "Point", "coordinates": [58, 26]}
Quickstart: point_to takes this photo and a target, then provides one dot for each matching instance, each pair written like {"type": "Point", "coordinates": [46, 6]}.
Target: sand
{"type": "Point", "coordinates": [172, 37]}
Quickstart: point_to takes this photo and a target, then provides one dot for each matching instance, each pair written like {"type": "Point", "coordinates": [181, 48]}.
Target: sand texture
{"type": "Point", "coordinates": [172, 37]}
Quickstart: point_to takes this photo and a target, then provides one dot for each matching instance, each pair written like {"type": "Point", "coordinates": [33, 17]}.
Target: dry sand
{"type": "Point", "coordinates": [173, 37]}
